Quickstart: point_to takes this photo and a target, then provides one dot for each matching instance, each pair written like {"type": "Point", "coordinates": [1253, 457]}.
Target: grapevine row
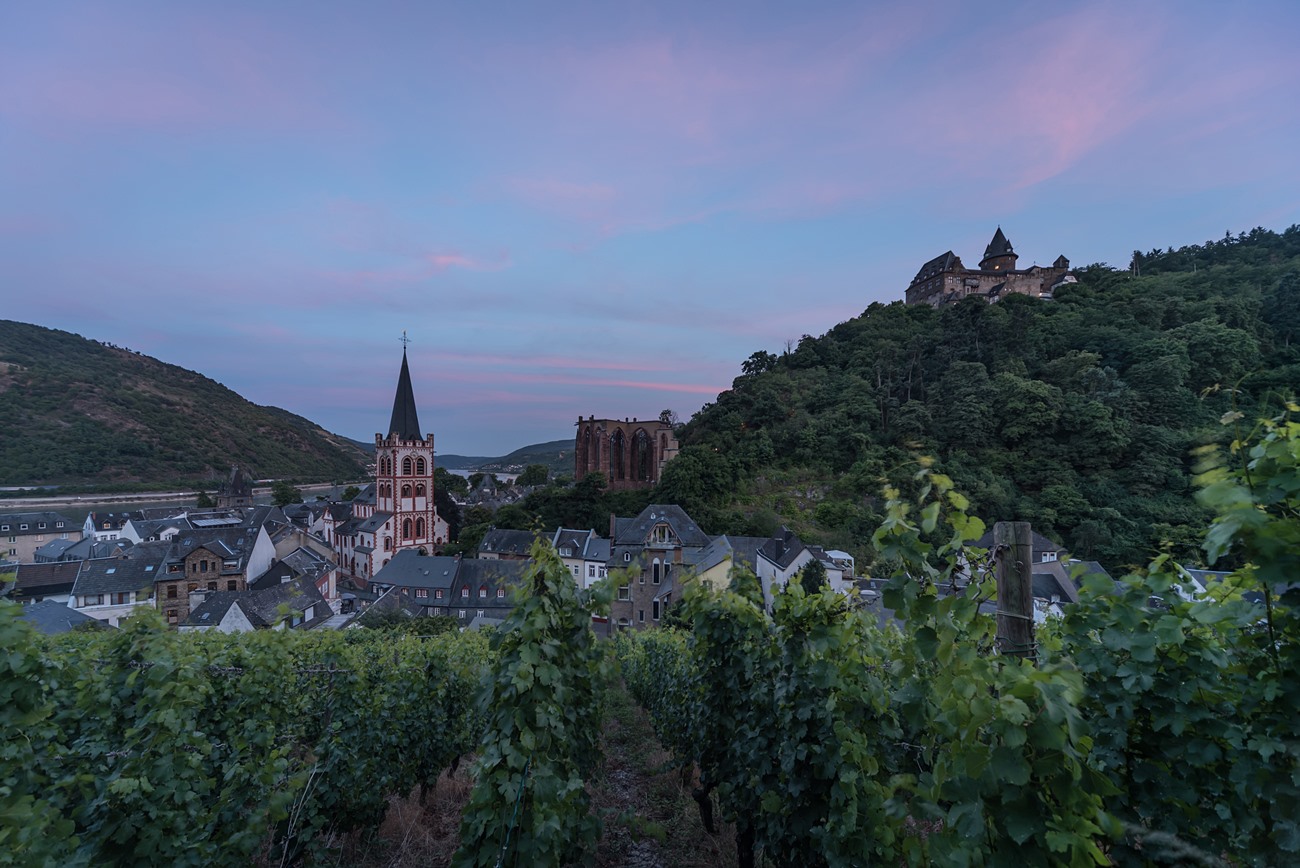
{"type": "Point", "coordinates": [142, 745]}
{"type": "Point", "coordinates": [1151, 729]}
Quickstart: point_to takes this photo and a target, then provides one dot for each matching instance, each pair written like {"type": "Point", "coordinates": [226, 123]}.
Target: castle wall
{"type": "Point", "coordinates": [630, 452]}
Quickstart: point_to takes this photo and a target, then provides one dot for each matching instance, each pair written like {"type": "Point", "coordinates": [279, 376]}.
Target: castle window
{"type": "Point", "coordinates": [419, 466]}
{"type": "Point", "coordinates": [406, 466]}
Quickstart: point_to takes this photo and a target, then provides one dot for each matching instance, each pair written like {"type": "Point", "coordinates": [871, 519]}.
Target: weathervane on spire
{"type": "Point", "coordinates": [405, 340]}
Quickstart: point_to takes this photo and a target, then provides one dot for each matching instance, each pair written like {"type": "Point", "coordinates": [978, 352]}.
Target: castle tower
{"type": "Point", "coordinates": [999, 256]}
{"type": "Point", "coordinates": [404, 478]}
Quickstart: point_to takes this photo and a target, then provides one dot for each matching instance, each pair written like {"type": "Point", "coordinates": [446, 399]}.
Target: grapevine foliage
{"type": "Point", "coordinates": [144, 745]}
{"type": "Point", "coordinates": [543, 702]}
{"type": "Point", "coordinates": [1151, 727]}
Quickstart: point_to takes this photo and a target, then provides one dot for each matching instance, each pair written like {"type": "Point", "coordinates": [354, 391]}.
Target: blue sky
{"type": "Point", "coordinates": [580, 209]}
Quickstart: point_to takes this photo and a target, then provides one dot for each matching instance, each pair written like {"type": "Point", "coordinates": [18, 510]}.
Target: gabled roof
{"type": "Point", "coordinates": [947, 261]}
{"type": "Point", "coordinates": [52, 618]}
{"type": "Point", "coordinates": [782, 548]}
{"type": "Point", "coordinates": [137, 571]}
{"type": "Point", "coordinates": [55, 548]}
{"type": "Point", "coordinates": [262, 607]}
{"type": "Point", "coordinates": [374, 523]}
{"type": "Point", "coordinates": [637, 531]}
{"type": "Point", "coordinates": [1038, 544]}
{"type": "Point", "coordinates": [410, 569]}
{"type": "Point", "coordinates": [475, 574]}
{"type": "Point", "coordinates": [51, 578]}
{"type": "Point", "coordinates": [37, 522]}
{"type": "Point", "coordinates": [405, 423]}
{"type": "Point", "coordinates": [503, 541]}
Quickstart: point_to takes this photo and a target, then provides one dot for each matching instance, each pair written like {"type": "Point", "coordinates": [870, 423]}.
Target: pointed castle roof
{"type": "Point", "coordinates": [999, 246]}
{"type": "Point", "coordinates": [405, 423]}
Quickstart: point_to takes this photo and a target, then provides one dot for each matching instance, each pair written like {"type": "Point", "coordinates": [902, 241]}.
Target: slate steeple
{"type": "Point", "coordinates": [999, 256]}
{"type": "Point", "coordinates": [405, 423]}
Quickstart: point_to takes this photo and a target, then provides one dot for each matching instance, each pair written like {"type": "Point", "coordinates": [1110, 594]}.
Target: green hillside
{"type": "Point", "coordinates": [1080, 414]}
{"type": "Point", "coordinates": [78, 411]}
{"type": "Point", "coordinates": [556, 455]}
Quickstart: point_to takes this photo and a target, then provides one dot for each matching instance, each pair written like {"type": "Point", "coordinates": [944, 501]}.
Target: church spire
{"type": "Point", "coordinates": [405, 423]}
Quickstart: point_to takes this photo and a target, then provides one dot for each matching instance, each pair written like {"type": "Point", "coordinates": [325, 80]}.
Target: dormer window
{"type": "Point", "coordinates": [662, 534]}
{"type": "Point", "coordinates": [627, 557]}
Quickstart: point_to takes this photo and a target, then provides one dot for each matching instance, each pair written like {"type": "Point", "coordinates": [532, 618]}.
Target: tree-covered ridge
{"type": "Point", "coordinates": [1078, 415]}
{"type": "Point", "coordinates": [76, 410]}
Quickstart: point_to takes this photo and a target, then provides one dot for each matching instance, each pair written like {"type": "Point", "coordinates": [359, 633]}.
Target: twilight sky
{"type": "Point", "coordinates": [596, 208]}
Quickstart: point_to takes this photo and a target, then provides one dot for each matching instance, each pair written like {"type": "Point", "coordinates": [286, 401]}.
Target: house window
{"type": "Point", "coordinates": [640, 616]}
{"type": "Point", "coordinates": [464, 593]}
{"type": "Point", "coordinates": [462, 613]}
{"type": "Point", "coordinates": [192, 587]}
{"type": "Point", "coordinates": [437, 594]}
{"type": "Point", "coordinates": [482, 592]}
{"type": "Point", "coordinates": [480, 613]}
{"type": "Point", "coordinates": [95, 600]}
{"type": "Point", "coordinates": [172, 617]}
{"type": "Point", "coordinates": [58, 524]}
{"type": "Point", "coordinates": [22, 527]}
{"type": "Point", "coordinates": [40, 537]}
{"type": "Point", "coordinates": [171, 592]}
{"type": "Point", "coordinates": [422, 593]}
{"type": "Point", "coordinates": [656, 571]}
{"type": "Point", "coordinates": [627, 557]}
{"type": "Point", "coordinates": [40, 525]}
{"type": "Point", "coordinates": [121, 599]}
{"type": "Point", "coordinates": [591, 571]}
{"type": "Point", "coordinates": [501, 593]}
{"type": "Point", "coordinates": [231, 585]}
{"type": "Point", "coordinates": [212, 586]}
{"type": "Point", "coordinates": [624, 592]}
{"type": "Point", "coordinates": [4, 527]}
{"type": "Point", "coordinates": [654, 610]}
{"type": "Point", "coordinates": [203, 566]}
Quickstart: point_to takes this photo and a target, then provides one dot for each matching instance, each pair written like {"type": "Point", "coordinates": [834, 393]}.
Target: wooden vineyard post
{"type": "Point", "coordinates": [1013, 550]}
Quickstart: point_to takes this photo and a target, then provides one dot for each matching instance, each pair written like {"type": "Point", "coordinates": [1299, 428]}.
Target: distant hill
{"type": "Point", "coordinates": [557, 455]}
{"type": "Point", "coordinates": [1081, 415]}
{"type": "Point", "coordinates": [79, 411]}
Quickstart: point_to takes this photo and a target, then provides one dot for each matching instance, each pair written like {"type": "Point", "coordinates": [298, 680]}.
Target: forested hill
{"type": "Point", "coordinates": [1079, 414]}
{"type": "Point", "coordinates": [78, 411]}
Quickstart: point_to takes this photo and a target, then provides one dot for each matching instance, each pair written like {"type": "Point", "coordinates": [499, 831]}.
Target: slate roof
{"type": "Point", "coordinates": [947, 261]}
{"type": "Point", "coordinates": [999, 246]}
{"type": "Point", "coordinates": [598, 549]}
{"type": "Point", "coordinates": [510, 542]}
{"type": "Point", "coordinates": [474, 574]}
{"type": "Point", "coordinates": [52, 618]}
{"type": "Point", "coordinates": [374, 523]}
{"type": "Point", "coordinates": [108, 520]}
{"type": "Point", "coordinates": [410, 569]}
{"type": "Point", "coordinates": [11, 523]}
{"type": "Point", "coordinates": [782, 548]}
{"type": "Point", "coordinates": [52, 578]}
{"type": "Point", "coordinates": [405, 422]}
{"type": "Point", "coordinates": [261, 607]}
{"type": "Point", "coordinates": [138, 571]}
{"type": "Point", "coordinates": [637, 531]}
{"type": "Point", "coordinates": [277, 573]}
{"type": "Point", "coordinates": [88, 547]}
{"type": "Point", "coordinates": [54, 549]}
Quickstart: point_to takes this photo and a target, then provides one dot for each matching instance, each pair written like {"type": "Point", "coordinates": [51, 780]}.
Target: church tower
{"type": "Point", "coordinates": [404, 479]}
{"type": "Point", "coordinates": [999, 256]}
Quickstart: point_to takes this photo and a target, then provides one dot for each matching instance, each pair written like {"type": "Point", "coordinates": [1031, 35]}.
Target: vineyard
{"type": "Point", "coordinates": [1144, 728]}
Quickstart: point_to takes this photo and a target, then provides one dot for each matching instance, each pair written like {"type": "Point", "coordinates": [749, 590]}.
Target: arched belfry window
{"type": "Point", "coordinates": [419, 528]}
{"type": "Point", "coordinates": [406, 490]}
{"type": "Point", "coordinates": [406, 529]}
{"type": "Point", "coordinates": [419, 467]}
{"type": "Point", "coordinates": [406, 466]}
{"type": "Point", "coordinates": [419, 489]}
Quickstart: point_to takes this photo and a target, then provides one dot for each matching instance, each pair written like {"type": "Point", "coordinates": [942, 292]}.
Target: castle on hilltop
{"type": "Point", "coordinates": [944, 280]}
